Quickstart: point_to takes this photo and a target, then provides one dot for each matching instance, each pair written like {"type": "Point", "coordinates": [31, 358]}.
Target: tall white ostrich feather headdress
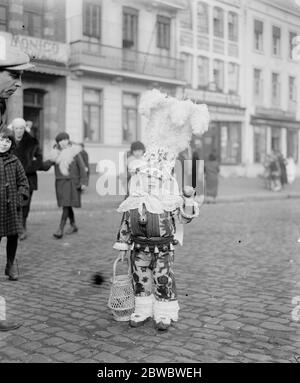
{"type": "Point", "coordinates": [171, 123]}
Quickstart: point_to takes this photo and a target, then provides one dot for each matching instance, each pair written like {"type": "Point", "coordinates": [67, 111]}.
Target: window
{"type": "Point", "coordinates": [233, 78]}
{"type": "Point", "coordinates": [291, 37]}
{"type": "Point", "coordinates": [202, 17]}
{"type": "Point", "coordinates": [258, 35]}
{"type": "Point", "coordinates": [258, 86]}
{"type": "Point", "coordinates": [276, 40]}
{"type": "Point", "coordinates": [260, 143]}
{"type": "Point", "coordinates": [275, 138]}
{"type": "Point", "coordinates": [232, 26]}
{"type": "Point", "coordinates": [130, 117]}
{"type": "Point", "coordinates": [231, 143]}
{"type": "Point", "coordinates": [92, 115]}
{"type": "Point", "coordinates": [130, 27]}
{"type": "Point", "coordinates": [218, 22]}
{"type": "Point", "coordinates": [292, 89]}
{"type": "Point", "coordinates": [275, 89]}
{"type": "Point", "coordinates": [292, 144]}
{"type": "Point", "coordinates": [92, 20]}
{"type": "Point", "coordinates": [188, 66]}
{"type": "Point", "coordinates": [218, 73]}
{"type": "Point", "coordinates": [203, 72]}
{"type": "Point", "coordinates": [163, 32]}
{"type": "Point", "coordinates": [3, 17]}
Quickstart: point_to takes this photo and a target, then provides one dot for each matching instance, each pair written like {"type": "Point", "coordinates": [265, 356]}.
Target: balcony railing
{"type": "Point", "coordinates": [126, 60]}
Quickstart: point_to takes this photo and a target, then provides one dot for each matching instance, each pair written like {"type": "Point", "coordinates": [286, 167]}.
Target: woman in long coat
{"type": "Point", "coordinates": [211, 169]}
{"type": "Point", "coordinates": [70, 180]}
{"type": "Point", "coordinates": [14, 191]}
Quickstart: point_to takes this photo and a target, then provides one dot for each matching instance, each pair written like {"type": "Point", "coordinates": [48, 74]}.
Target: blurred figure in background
{"type": "Point", "coordinates": [282, 165]}
{"type": "Point", "coordinates": [29, 127]}
{"type": "Point", "coordinates": [275, 172]}
{"type": "Point", "coordinates": [211, 170]}
{"type": "Point", "coordinates": [290, 170]}
{"type": "Point", "coordinates": [136, 152]}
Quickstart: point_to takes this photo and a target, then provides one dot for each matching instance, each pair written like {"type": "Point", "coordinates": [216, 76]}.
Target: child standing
{"type": "Point", "coordinates": [14, 190]}
{"type": "Point", "coordinates": [70, 180]}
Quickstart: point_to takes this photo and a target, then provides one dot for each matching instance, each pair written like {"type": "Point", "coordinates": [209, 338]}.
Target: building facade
{"type": "Point", "coordinates": [272, 80]}
{"type": "Point", "coordinates": [38, 28]}
{"type": "Point", "coordinates": [118, 49]}
{"type": "Point", "coordinates": [211, 46]}
{"type": "Point", "coordinates": [237, 57]}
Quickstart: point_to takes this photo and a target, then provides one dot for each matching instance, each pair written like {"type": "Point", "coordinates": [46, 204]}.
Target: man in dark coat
{"type": "Point", "coordinates": [29, 153]}
{"type": "Point", "coordinates": [12, 63]}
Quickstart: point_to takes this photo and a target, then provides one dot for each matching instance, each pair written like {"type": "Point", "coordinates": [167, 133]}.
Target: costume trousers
{"type": "Point", "coordinates": [153, 273]}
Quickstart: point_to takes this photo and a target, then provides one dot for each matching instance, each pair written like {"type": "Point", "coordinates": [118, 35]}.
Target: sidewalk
{"type": "Point", "coordinates": [237, 189]}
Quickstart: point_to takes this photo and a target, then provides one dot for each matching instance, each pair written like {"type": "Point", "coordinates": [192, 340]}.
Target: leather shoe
{"type": "Point", "coordinates": [6, 325]}
{"type": "Point", "coordinates": [72, 229]}
{"type": "Point", "coordinates": [13, 274]}
{"type": "Point", "coordinates": [59, 234]}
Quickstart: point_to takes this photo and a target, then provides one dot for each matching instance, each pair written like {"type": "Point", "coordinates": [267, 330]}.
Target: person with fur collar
{"type": "Point", "coordinates": [29, 153]}
{"type": "Point", "coordinates": [70, 180]}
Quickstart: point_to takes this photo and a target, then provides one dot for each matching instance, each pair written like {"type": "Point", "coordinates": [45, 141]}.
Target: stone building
{"type": "Point", "coordinates": [38, 28]}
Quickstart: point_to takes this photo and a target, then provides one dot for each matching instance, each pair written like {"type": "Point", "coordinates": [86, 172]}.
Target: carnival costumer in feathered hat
{"type": "Point", "coordinates": [155, 210]}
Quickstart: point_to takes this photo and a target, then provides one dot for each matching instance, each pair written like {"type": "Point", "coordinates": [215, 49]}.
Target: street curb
{"type": "Point", "coordinates": [113, 204]}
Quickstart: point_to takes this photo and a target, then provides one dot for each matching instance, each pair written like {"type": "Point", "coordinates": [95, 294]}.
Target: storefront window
{"type": "Point", "coordinates": [92, 115]}
{"type": "Point", "coordinates": [276, 138]}
{"type": "Point", "coordinates": [292, 144]}
{"type": "Point", "coordinates": [260, 142]}
{"type": "Point", "coordinates": [130, 117]}
{"type": "Point", "coordinates": [230, 143]}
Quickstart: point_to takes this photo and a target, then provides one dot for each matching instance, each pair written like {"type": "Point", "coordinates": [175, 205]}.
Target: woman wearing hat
{"type": "Point", "coordinates": [70, 180]}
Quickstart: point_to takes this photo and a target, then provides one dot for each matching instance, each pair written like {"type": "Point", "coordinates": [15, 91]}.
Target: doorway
{"type": "Point", "coordinates": [33, 111]}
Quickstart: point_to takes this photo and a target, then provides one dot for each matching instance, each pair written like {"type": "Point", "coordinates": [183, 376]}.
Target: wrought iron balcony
{"type": "Point", "coordinates": [95, 56]}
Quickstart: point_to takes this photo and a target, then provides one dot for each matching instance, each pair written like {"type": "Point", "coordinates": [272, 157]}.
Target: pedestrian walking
{"type": "Point", "coordinates": [12, 63]}
{"type": "Point", "coordinates": [275, 173]}
{"type": "Point", "coordinates": [155, 210]}
{"type": "Point", "coordinates": [29, 153]}
{"type": "Point", "coordinates": [291, 170]}
{"type": "Point", "coordinates": [282, 164]}
{"type": "Point", "coordinates": [14, 191]}
{"type": "Point", "coordinates": [211, 170]}
{"type": "Point", "coordinates": [70, 180]}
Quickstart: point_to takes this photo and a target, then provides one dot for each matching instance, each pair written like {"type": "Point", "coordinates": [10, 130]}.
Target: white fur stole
{"type": "Point", "coordinates": [63, 158]}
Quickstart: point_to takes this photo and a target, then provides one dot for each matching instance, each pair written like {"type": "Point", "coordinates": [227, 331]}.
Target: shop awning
{"type": "Point", "coordinates": [49, 69]}
{"type": "Point", "coordinates": [279, 123]}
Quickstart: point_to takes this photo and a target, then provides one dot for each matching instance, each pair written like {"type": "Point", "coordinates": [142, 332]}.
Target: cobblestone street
{"type": "Point", "coordinates": [237, 273]}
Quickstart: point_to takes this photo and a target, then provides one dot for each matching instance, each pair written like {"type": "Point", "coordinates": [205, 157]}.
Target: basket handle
{"type": "Point", "coordinates": [118, 259]}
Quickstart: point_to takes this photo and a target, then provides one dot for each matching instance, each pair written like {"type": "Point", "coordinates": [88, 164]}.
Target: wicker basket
{"type": "Point", "coordinates": [121, 299]}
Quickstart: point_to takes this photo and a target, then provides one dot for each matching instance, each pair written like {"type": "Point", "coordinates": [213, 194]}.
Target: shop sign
{"type": "Point", "coordinates": [209, 96]}
{"type": "Point", "coordinates": [39, 49]}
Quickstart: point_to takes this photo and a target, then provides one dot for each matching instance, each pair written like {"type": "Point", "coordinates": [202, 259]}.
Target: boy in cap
{"type": "Point", "coordinates": [12, 64]}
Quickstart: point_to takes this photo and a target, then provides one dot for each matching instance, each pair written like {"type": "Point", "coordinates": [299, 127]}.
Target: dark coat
{"type": "Point", "coordinates": [68, 187]}
{"type": "Point", "coordinates": [29, 153]}
{"type": "Point", "coordinates": [14, 190]}
{"type": "Point", "coordinates": [211, 169]}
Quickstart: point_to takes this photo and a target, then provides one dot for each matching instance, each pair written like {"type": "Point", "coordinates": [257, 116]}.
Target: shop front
{"type": "Point", "coordinates": [41, 99]}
